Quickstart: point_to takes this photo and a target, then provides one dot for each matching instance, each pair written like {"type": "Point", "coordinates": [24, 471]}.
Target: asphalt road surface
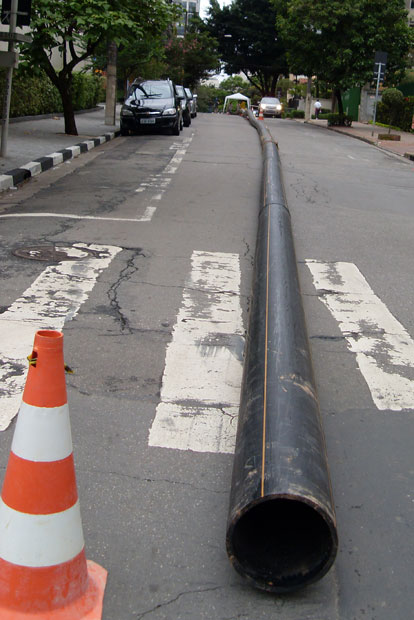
{"type": "Point", "coordinates": [153, 306]}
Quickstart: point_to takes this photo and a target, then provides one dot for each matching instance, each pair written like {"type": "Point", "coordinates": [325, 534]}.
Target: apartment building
{"type": "Point", "coordinates": [190, 8]}
{"type": "Point", "coordinates": [410, 8]}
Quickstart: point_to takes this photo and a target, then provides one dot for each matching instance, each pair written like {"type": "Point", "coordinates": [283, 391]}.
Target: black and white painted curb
{"type": "Point", "coordinates": [18, 175]}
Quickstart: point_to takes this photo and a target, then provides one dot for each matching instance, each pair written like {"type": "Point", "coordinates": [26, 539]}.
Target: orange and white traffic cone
{"type": "Point", "coordinates": [261, 117]}
{"type": "Point", "coordinates": [44, 573]}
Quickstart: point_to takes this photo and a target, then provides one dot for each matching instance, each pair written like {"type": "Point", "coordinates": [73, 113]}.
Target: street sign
{"type": "Point", "coordinates": [23, 12]}
{"type": "Point", "coordinates": [379, 71]}
{"type": "Point", "coordinates": [15, 36]}
{"type": "Point", "coordinates": [9, 59]}
{"type": "Point", "coordinates": [380, 63]}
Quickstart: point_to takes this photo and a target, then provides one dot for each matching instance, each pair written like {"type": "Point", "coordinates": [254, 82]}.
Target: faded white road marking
{"type": "Point", "coordinates": [160, 181]}
{"type": "Point", "coordinates": [146, 217]}
{"type": "Point", "coordinates": [203, 368]}
{"type": "Point", "coordinates": [384, 349]}
{"type": "Point", "coordinates": [53, 298]}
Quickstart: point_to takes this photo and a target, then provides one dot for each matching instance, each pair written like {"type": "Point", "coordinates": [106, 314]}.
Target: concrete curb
{"type": "Point", "coordinates": [367, 141]}
{"type": "Point", "coordinates": [17, 176]}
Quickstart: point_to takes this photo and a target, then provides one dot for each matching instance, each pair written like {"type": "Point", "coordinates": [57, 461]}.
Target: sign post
{"type": "Point", "coordinates": [380, 63]}
{"type": "Point", "coordinates": [15, 13]}
{"type": "Point", "coordinates": [9, 79]}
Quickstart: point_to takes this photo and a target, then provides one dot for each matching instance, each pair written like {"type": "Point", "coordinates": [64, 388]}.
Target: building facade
{"type": "Point", "coordinates": [190, 8]}
{"type": "Point", "coordinates": [409, 4]}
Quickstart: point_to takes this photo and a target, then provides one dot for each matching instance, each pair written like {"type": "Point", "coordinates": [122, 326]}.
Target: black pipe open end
{"type": "Point", "coordinates": [282, 544]}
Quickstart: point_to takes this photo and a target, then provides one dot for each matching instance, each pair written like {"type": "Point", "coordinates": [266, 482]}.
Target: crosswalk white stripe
{"type": "Point", "coordinates": [201, 383]}
{"type": "Point", "coordinates": [384, 349]}
{"type": "Point", "coordinates": [53, 298]}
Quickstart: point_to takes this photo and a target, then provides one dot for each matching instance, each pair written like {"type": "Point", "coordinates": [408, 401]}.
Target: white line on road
{"type": "Point", "coordinates": [384, 349]}
{"type": "Point", "coordinates": [53, 298]}
{"type": "Point", "coordinates": [146, 217]}
{"type": "Point", "coordinates": [203, 368]}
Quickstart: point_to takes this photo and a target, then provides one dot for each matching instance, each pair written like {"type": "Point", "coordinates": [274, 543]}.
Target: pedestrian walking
{"type": "Point", "coordinates": [317, 106]}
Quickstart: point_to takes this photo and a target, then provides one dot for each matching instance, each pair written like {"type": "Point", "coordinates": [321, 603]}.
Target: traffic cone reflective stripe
{"type": "Point", "coordinates": [47, 485]}
{"type": "Point", "coordinates": [43, 568]}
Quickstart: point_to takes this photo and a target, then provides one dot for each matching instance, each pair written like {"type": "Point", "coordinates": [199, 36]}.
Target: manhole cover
{"type": "Point", "coordinates": [55, 254]}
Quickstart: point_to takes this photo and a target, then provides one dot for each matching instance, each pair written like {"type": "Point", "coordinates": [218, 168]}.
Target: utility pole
{"type": "Point", "coordinates": [9, 79]}
{"type": "Point", "coordinates": [110, 107]}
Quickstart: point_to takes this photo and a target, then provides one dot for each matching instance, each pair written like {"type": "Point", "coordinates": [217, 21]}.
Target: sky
{"type": "Point", "coordinates": [204, 4]}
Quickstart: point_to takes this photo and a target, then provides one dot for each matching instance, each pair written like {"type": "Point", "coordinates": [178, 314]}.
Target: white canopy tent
{"type": "Point", "coordinates": [236, 97]}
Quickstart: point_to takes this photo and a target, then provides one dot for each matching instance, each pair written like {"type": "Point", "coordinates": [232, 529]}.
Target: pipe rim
{"type": "Point", "coordinates": [276, 583]}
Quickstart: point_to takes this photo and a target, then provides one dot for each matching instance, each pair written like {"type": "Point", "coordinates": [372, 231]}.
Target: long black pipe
{"type": "Point", "coordinates": [281, 532]}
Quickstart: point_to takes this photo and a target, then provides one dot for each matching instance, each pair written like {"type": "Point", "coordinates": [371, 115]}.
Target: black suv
{"type": "Point", "coordinates": [152, 104]}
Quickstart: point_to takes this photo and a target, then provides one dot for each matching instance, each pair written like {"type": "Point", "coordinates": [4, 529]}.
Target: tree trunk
{"type": "Point", "coordinates": [339, 100]}
{"type": "Point", "coordinates": [308, 100]}
{"type": "Point", "coordinates": [110, 108]}
{"type": "Point", "coordinates": [63, 87]}
{"type": "Point", "coordinates": [274, 84]}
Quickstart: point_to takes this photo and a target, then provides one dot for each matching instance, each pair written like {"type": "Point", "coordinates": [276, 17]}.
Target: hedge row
{"type": "Point", "coordinates": [294, 114]}
{"type": "Point", "coordinates": [400, 114]}
{"type": "Point", "coordinates": [35, 94]}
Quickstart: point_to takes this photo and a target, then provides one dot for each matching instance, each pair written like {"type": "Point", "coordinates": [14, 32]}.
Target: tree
{"type": "Point", "coordinates": [193, 57]}
{"type": "Point", "coordinates": [336, 40]}
{"type": "Point", "coordinates": [77, 27]}
{"type": "Point", "coordinates": [143, 57]}
{"type": "Point", "coordinates": [235, 84]}
{"type": "Point", "coordinates": [249, 42]}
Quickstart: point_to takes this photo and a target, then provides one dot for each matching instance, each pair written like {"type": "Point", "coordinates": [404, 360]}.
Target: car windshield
{"type": "Point", "coordinates": [188, 93]}
{"type": "Point", "coordinates": [151, 90]}
{"type": "Point", "coordinates": [272, 100]}
{"type": "Point", "coordinates": [180, 90]}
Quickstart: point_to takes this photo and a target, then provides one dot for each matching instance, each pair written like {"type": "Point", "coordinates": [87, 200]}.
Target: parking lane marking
{"type": "Point", "coordinates": [203, 369]}
{"type": "Point", "coordinates": [53, 298]}
{"type": "Point", "coordinates": [384, 349]}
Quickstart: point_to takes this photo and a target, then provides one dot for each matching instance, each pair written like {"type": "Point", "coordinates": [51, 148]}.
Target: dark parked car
{"type": "Point", "coordinates": [152, 104]}
{"type": "Point", "coordinates": [185, 105]}
{"type": "Point", "coordinates": [193, 102]}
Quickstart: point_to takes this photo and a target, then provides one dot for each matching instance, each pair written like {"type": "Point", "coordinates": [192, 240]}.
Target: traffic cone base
{"type": "Point", "coordinates": [86, 607]}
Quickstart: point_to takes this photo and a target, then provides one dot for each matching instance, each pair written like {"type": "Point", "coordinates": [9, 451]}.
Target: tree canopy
{"type": "Point", "coordinates": [193, 57]}
{"type": "Point", "coordinates": [75, 28]}
{"type": "Point", "coordinates": [248, 41]}
{"type": "Point", "coordinates": [336, 40]}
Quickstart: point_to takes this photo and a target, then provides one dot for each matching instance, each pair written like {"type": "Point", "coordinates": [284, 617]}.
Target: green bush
{"type": "Point", "coordinates": [339, 120]}
{"type": "Point", "coordinates": [293, 114]}
{"type": "Point", "coordinates": [391, 108]}
{"type": "Point", "coordinates": [401, 117]}
{"type": "Point", "coordinates": [35, 94]}
{"type": "Point", "coordinates": [87, 90]}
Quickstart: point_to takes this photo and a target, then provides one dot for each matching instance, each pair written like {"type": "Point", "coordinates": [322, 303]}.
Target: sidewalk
{"type": "Point", "coordinates": [403, 147]}
{"type": "Point", "coordinates": [42, 141]}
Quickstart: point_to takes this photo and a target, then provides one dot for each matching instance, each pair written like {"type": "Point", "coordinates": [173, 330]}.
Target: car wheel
{"type": "Point", "coordinates": [124, 131]}
{"type": "Point", "coordinates": [176, 129]}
